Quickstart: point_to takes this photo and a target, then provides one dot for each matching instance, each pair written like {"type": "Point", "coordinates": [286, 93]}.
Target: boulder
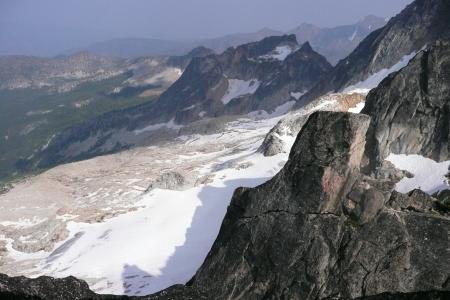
{"type": "Point", "coordinates": [168, 181]}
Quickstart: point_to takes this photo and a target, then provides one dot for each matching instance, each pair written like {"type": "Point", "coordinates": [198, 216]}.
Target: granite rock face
{"type": "Point", "coordinates": [272, 145]}
{"type": "Point", "coordinates": [411, 109]}
{"type": "Point", "coordinates": [276, 239]}
{"type": "Point", "coordinates": [321, 230]}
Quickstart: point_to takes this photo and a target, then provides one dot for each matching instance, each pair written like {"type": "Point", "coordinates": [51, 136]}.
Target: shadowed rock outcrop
{"type": "Point", "coordinates": [410, 109]}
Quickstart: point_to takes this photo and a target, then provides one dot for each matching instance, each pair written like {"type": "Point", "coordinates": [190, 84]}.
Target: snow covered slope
{"type": "Point", "coordinates": [97, 219]}
{"type": "Point", "coordinates": [280, 53]}
{"type": "Point", "coordinates": [238, 88]}
{"type": "Point", "coordinates": [429, 176]}
{"type": "Point", "coordinates": [374, 80]}
{"type": "Point", "coordinates": [136, 242]}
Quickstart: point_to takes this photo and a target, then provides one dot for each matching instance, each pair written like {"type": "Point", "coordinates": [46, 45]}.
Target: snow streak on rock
{"type": "Point", "coordinates": [238, 88]}
{"type": "Point", "coordinates": [375, 79]}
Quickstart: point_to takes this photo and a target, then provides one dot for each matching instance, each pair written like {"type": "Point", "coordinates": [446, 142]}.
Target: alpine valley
{"type": "Point", "coordinates": [275, 168]}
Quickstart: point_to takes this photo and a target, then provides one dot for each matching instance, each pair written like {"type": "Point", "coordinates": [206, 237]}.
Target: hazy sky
{"type": "Point", "coordinates": [53, 25]}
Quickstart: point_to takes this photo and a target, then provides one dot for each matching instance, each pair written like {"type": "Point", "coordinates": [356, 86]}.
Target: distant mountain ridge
{"type": "Point", "coordinates": [337, 42]}
{"type": "Point", "coordinates": [333, 43]}
{"type": "Point", "coordinates": [36, 72]}
{"type": "Point", "coordinates": [63, 73]}
{"type": "Point", "coordinates": [262, 77]}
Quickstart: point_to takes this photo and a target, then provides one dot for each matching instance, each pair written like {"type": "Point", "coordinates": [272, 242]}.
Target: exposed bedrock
{"type": "Point", "coordinates": [410, 109]}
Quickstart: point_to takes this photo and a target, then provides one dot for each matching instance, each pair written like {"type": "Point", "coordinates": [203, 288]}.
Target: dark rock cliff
{"type": "Point", "coordinates": [321, 230]}
{"type": "Point", "coordinates": [410, 109]}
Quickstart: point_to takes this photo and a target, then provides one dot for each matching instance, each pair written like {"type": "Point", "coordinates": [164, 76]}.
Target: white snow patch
{"type": "Point", "coordinates": [297, 95]}
{"type": "Point", "coordinates": [238, 88]}
{"type": "Point", "coordinates": [358, 108]}
{"type": "Point", "coordinates": [170, 125]}
{"type": "Point", "coordinates": [168, 75]}
{"type": "Point", "coordinates": [429, 175]}
{"type": "Point", "coordinates": [116, 90]}
{"type": "Point", "coordinates": [374, 80]}
{"type": "Point", "coordinates": [189, 107]}
{"type": "Point", "coordinates": [280, 53]}
{"type": "Point", "coordinates": [38, 112]}
{"type": "Point", "coordinates": [352, 37]}
{"type": "Point", "coordinates": [23, 222]}
{"type": "Point", "coordinates": [48, 143]}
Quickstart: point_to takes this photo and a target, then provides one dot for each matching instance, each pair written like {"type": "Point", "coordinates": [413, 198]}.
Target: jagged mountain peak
{"type": "Point", "coordinates": [306, 53]}
{"type": "Point", "coordinates": [371, 21]}
{"type": "Point", "coordinates": [200, 51]}
{"type": "Point", "coordinates": [267, 45]}
{"type": "Point", "coordinates": [306, 47]}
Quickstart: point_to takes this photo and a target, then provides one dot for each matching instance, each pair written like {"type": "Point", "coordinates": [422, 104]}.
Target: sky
{"type": "Point", "coordinates": [49, 26]}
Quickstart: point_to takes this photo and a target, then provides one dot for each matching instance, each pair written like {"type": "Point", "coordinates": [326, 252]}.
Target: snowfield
{"type": "Point", "coordinates": [238, 88]}
{"type": "Point", "coordinates": [429, 175]}
{"type": "Point", "coordinates": [164, 235]}
{"type": "Point", "coordinates": [161, 244]}
{"type": "Point", "coordinates": [358, 108]}
{"type": "Point", "coordinates": [280, 53]}
{"type": "Point", "coordinates": [298, 95]}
